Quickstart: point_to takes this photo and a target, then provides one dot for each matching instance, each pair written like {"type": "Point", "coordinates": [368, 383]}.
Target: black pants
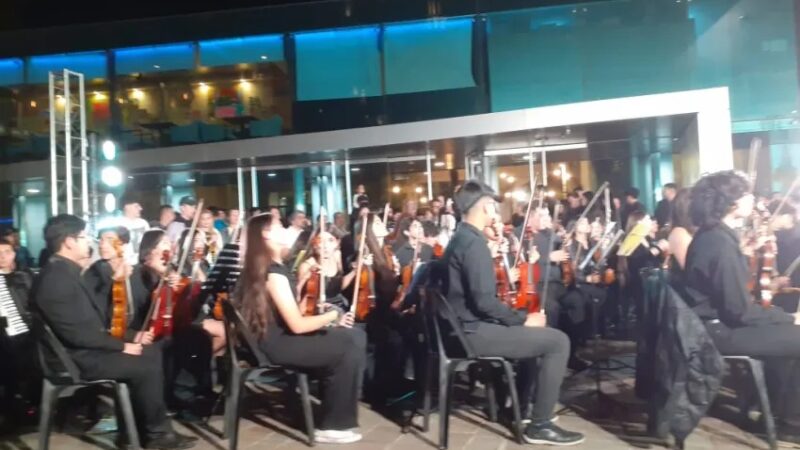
{"type": "Point", "coordinates": [778, 346]}
{"type": "Point", "coordinates": [144, 376]}
{"type": "Point", "coordinates": [552, 304]}
{"type": "Point", "coordinates": [338, 356]}
{"type": "Point", "coordinates": [526, 344]}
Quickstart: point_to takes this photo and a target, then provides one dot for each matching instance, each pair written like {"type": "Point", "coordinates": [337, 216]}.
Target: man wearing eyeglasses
{"type": "Point", "coordinates": [65, 304]}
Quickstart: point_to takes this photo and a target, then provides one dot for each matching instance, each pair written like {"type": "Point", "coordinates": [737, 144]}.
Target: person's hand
{"type": "Point", "coordinates": [533, 256]}
{"type": "Point", "coordinates": [368, 260]}
{"type": "Point", "coordinates": [663, 245]}
{"type": "Point", "coordinates": [536, 320]}
{"type": "Point", "coordinates": [504, 247]}
{"type": "Point", "coordinates": [513, 275]}
{"type": "Point", "coordinates": [779, 282]}
{"type": "Point", "coordinates": [347, 320]}
{"type": "Point", "coordinates": [173, 279]}
{"type": "Point", "coordinates": [593, 278]}
{"type": "Point", "coordinates": [132, 349]}
{"type": "Point", "coordinates": [144, 337]}
{"type": "Point", "coordinates": [557, 256]}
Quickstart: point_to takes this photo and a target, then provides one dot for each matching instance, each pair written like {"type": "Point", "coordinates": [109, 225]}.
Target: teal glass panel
{"type": "Point", "coordinates": [90, 64]}
{"type": "Point", "coordinates": [157, 58]}
{"type": "Point", "coordinates": [428, 56]}
{"type": "Point", "coordinates": [342, 63]}
{"type": "Point", "coordinates": [12, 72]}
{"type": "Point", "coordinates": [250, 49]}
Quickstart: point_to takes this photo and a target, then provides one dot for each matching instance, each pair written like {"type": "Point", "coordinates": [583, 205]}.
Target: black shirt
{"type": "Point", "coordinates": [664, 213]}
{"type": "Point", "coordinates": [405, 253]}
{"type": "Point", "coordinates": [716, 277]}
{"type": "Point", "coordinates": [471, 284]}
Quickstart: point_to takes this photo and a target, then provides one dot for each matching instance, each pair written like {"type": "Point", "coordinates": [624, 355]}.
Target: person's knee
{"type": "Point", "coordinates": [559, 341]}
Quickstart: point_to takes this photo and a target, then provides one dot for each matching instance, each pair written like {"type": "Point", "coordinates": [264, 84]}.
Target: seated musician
{"type": "Point", "coordinates": [100, 276]}
{"type": "Point", "coordinates": [585, 293]}
{"type": "Point", "coordinates": [324, 343]}
{"type": "Point", "coordinates": [18, 378]}
{"type": "Point", "coordinates": [65, 304]}
{"type": "Point", "coordinates": [492, 328]}
{"type": "Point", "coordinates": [331, 266]}
{"type": "Point", "coordinates": [550, 255]}
{"type": "Point", "coordinates": [717, 274]}
{"type": "Point", "coordinates": [409, 242]}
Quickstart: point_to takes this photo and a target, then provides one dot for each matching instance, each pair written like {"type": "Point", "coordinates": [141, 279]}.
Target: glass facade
{"type": "Point", "coordinates": [267, 85]}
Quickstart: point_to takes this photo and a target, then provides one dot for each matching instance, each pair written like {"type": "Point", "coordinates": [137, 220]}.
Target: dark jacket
{"type": "Point", "coordinates": [471, 285]}
{"type": "Point", "coordinates": [66, 305]}
{"type": "Point", "coordinates": [679, 370]}
{"type": "Point", "coordinates": [664, 213]}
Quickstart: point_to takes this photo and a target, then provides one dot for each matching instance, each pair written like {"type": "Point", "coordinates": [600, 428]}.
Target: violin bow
{"type": "Point", "coordinates": [386, 213]}
{"type": "Point", "coordinates": [525, 222]}
{"type": "Point", "coordinates": [550, 246]}
{"type": "Point", "coordinates": [360, 265]}
{"type": "Point", "coordinates": [752, 172]}
{"type": "Point", "coordinates": [322, 214]}
{"type": "Point", "coordinates": [785, 199]}
{"type": "Point", "coordinates": [189, 241]}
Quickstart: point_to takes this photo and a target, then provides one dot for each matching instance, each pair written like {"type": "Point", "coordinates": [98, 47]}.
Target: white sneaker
{"type": "Point", "coordinates": [336, 436]}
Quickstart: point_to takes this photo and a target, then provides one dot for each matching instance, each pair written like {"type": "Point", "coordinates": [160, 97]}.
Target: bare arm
{"type": "Point", "coordinates": [280, 291]}
{"type": "Point", "coordinates": [679, 240]}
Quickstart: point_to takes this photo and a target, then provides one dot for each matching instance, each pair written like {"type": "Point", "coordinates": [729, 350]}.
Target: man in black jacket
{"type": "Point", "coordinates": [664, 207]}
{"type": "Point", "coordinates": [492, 328]}
{"type": "Point", "coordinates": [66, 305]}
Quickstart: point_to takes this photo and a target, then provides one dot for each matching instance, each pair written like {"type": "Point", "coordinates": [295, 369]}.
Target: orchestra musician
{"type": "Point", "coordinates": [330, 266]}
{"type": "Point", "coordinates": [325, 343]}
{"type": "Point", "coordinates": [494, 329]}
{"type": "Point", "coordinates": [212, 238]}
{"type": "Point", "coordinates": [65, 304]}
{"type": "Point", "coordinates": [409, 242]}
{"type": "Point", "coordinates": [19, 378]}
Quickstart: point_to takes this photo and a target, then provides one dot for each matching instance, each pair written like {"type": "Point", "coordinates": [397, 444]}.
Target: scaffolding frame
{"type": "Point", "coordinates": [68, 144]}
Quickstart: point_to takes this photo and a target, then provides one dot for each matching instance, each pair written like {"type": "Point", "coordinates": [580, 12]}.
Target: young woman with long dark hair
{"type": "Point", "coordinates": [324, 343]}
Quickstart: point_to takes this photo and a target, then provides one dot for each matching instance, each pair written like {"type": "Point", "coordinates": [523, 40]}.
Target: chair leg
{"type": "Point", "coordinates": [426, 403]}
{"type": "Point", "coordinates": [515, 405]}
{"type": "Point", "coordinates": [446, 372]}
{"type": "Point", "coordinates": [46, 411]}
{"type": "Point", "coordinates": [491, 393]}
{"type": "Point", "coordinates": [230, 428]}
{"type": "Point", "coordinates": [305, 401]}
{"type": "Point", "coordinates": [124, 401]}
{"type": "Point", "coordinates": [757, 368]}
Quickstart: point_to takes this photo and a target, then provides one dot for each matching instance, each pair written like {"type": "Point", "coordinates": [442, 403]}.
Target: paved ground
{"type": "Point", "coordinates": [613, 423]}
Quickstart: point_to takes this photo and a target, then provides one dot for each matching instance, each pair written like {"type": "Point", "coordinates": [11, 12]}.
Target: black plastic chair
{"type": "Point", "coordinates": [655, 280]}
{"type": "Point", "coordinates": [453, 355]}
{"type": "Point", "coordinates": [57, 379]}
{"type": "Point", "coordinates": [246, 362]}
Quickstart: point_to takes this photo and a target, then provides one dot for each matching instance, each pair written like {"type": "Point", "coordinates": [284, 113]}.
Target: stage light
{"type": "Point", "coordinates": [109, 150]}
{"type": "Point", "coordinates": [110, 202]}
{"type": "Point", "coordinates": [111, 176]}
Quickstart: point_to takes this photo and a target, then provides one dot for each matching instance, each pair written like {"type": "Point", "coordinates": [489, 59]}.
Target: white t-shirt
{"type": "Point", "coordinates": [137, 228]}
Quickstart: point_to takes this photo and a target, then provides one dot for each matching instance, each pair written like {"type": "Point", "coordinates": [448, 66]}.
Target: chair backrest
{"type": "Point", "coordinates": [54, 360]}
{"type": "Point", "coordinates": [444, 333]}
{"type": "Point", "coordinates": [242, 345]}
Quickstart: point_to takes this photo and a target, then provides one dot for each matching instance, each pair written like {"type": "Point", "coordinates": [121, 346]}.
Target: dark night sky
{"type": "Point", "coordinates": [22, 14]}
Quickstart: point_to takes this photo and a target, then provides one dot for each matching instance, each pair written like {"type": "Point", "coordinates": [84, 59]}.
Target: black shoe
{"type": "Point", "coordinates": [549, 434]}
{"type": "Point", "coordinates": [171, 441]}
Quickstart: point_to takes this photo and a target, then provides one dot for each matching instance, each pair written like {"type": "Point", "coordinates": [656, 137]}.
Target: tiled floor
{"type": "Point", "coordinates": [615, 422]}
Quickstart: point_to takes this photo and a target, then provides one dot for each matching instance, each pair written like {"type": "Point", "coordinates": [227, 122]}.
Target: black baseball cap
{"type": "Point", "coordinates": [471, 192]}
{"type": "Point", "coordinates": [188, 200]}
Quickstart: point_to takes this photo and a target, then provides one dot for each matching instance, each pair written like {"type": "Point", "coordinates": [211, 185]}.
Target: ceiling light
{"type": "Point", "coordinates": [423, 199]}
{"type": "Point", "coordinates": [526, 150]}
{"type": "Point", "coordinates": [396, 189]}
{"type": "Point", "coordinates": [33, 104]}
{"type": "Point", "coordinates": [507, 195]}
{"type": "Point", "coordinates": [190, 180]}
{"type": "Point", "coordinates": [355, 169]}
{"type": "Point", "coordinates": [111, 176]}
{"type": "Point", "coordinates": [204, 88]}
{"type": "Point", "coordinates": [439, 164]}
{"type": "Point", "coordinates": [557, 173]}
{"type": "Point", "coordinates": [418, 190]}
{"type": "Point", "coordinates": [272, 174]}
{"type": "Point", "coordinates": [503, 175]}
{"type": "Point", "coordinates": [264, 57]}
{"type": "Point", "coordinates": [32, 191]}
{"type": "Point", "coordinates": [511, 179]}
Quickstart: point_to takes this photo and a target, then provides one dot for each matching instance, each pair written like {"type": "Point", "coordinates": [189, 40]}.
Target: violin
{"type": "Point", "coordinates": [406, 274]}
{"type": "Point", "coordinates": [217, 311]}
{"type": "Point", "coordinates": [119, 299]}
{"type": "Point", "coordinates": [505, 289]}
{"type": "Point", "coordinates": [313, 289]}
{"type": "Point", "coordinates": [567, 271]}
{"type": "Point", "coordinates": [162, 304]}
{"type": "Point", "coordinates": [529, 277]}
{"type": "Point", "coordinates": [363, 297]}
{"type": "Point", "coordinates": [438, 251]}
{"type": "Point", "coordinates": [762, 260]}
